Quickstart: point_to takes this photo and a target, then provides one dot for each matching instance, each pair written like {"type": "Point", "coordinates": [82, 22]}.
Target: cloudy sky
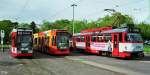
{"type": "Point", "coordinates": [51, 10]}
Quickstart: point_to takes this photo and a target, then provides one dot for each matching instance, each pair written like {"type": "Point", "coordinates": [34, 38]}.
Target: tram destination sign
{"type": "Point", "coordinates": [24, 32]}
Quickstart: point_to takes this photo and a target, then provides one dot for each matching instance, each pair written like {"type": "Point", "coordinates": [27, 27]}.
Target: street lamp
{"type": "Point", "coordinates": [73, 5]}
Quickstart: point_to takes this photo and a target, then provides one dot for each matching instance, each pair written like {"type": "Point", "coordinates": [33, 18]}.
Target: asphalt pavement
{"type": "Point", "coordinates": [45, 64]}
{"type": "Point", "coordinates": [130, 67]}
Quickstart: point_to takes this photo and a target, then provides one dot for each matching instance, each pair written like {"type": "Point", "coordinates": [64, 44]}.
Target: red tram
{"type": "Point", "coordinates": [120, 42]}
{"type": "Point", "coordinates": [21, 42]}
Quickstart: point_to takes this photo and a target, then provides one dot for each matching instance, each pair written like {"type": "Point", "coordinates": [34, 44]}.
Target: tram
{"type": "Point", "coordinates": [118, 42]}
{"type": "Point", "coordinates": [21, 42]}
{"type": "Point", "coordinates": [52, 42]}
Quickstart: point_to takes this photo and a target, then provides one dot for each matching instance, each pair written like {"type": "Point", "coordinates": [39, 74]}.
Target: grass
{"type": "Point", "coordinates": [147, 48]}
{"type": "Point", "coordinates": [5, 46]}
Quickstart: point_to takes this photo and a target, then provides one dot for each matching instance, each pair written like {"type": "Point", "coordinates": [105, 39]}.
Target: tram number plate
{"type": "Point", "coordinates": [24, 51]}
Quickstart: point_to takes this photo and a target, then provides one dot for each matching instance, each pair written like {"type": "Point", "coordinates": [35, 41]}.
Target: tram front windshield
{"type": "Point", "coordinates": [24, 41]}
{"type": "Point", "coordinates": [62, 40]}
{"type": "Point", "coordinates": [134, 37]}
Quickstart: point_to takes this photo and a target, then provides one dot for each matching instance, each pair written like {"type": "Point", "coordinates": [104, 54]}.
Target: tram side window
{"type": "Point", "coordinates": [93, 39]}
{"type": "Point", "coordinates": [88, 38]}
{"type": "Point", "coordinates": [74, 39]}
{"type": "Point", "coordinates": [100, 38]}
{"type": "Point", "coordinates": [53, 41]}
{"type": "Point", "coordinates": [47, 41]}
{"type": "Point", "coordinates": [42, 41]}
{"type": "Point", "coordinates": [82, 39]}
{"type": "Point", "coordinates": [120, 37]}
{"type": "Point", "coordinates": [127, 38]}
{"type": "Point", "coordinates": [107, 38]}
{"type": "Point", "coordinates": [39, 41]}
{"type": "Point", "coordinates": [78, 39]}
{"type": "Point", "coordinates": [35, 41]}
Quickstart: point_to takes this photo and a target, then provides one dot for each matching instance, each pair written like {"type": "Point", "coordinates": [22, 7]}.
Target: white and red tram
{"type": "Point", "coordinates": [21, 42]}
{"type": "Point", "coordinates": [121, 42]}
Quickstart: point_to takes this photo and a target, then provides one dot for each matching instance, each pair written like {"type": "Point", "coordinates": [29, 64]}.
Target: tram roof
{"type": "Point", "coordinates": [107, 31]}
{"type": "Point", "coordinates": [97, 29]}
{"type": "Point", "coordinates": [86, 33]}
{"type": "Point", "coordinates": [77, 34]}
{"type": "Point", "coordinates": [116, 30]}
{"type": "Point", "coordinates": [21, 29]}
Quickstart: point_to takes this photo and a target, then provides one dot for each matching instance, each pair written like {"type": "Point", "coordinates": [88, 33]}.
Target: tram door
{"type": "Point", "coordinates": [115, 45]}
{"type": "Point", "coordinates": [87, 41]}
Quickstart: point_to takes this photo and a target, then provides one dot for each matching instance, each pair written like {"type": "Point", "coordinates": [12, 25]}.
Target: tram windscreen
{"type": "Point", "coordinates": [24, 40]}
{"type": "Point", "coordinates": [134, 37]}
{"type": "Point", "coordinates": [62, 40]}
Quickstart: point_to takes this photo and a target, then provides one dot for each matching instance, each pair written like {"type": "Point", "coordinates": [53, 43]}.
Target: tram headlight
{"type": "Point", "coordinates": [18, 51]}
{"type": "Point", "coordinates": [137, 48]}
{"type": "Point", "coordinates": [30, 51]}
{"type": "Point", "coordinates": [24, 48]}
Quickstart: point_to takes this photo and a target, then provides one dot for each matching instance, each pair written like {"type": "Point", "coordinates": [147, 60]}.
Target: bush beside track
{"type": "Point", "coordinates": [147, 49]}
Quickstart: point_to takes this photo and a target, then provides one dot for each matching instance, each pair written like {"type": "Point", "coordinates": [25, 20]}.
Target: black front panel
{"type": "Point", "coordinates": [62, 40]}
{"type": "Point", "coordinates": [24, 40]}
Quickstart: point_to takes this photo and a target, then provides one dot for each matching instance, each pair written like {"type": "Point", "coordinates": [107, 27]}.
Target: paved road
{"type": "Point", "coordinates": [138, 66]}
{"type": "Point", "coordinates": [44, 64]}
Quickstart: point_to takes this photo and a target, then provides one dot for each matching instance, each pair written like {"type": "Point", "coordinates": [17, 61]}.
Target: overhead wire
{"type": "Point", "coordinates": [22, 9]}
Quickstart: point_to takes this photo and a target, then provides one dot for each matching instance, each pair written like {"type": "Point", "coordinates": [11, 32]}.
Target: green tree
{"type": "Point", "coordinates": [116, 20]}
{"type": "Point", "coordinates": [24, 25]}
{"type": "Point", "coordinates": [7, 26]}
{"type": "Point", "coordinates": [45, 26]}
{"type": "Point", "coordinates": [145, 30]}
{"type": "Point", "coordinates": [15, 24]}
{"type": "Point", "coordinates": [58, 24]}
{"type": "Point", "coordinates": [62, 24]}
{"type": "Point", "coordinates": [33, 27]}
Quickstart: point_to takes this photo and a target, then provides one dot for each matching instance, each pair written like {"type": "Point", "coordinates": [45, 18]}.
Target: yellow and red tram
{"type": "Point", "coordinates": [52, 42]}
